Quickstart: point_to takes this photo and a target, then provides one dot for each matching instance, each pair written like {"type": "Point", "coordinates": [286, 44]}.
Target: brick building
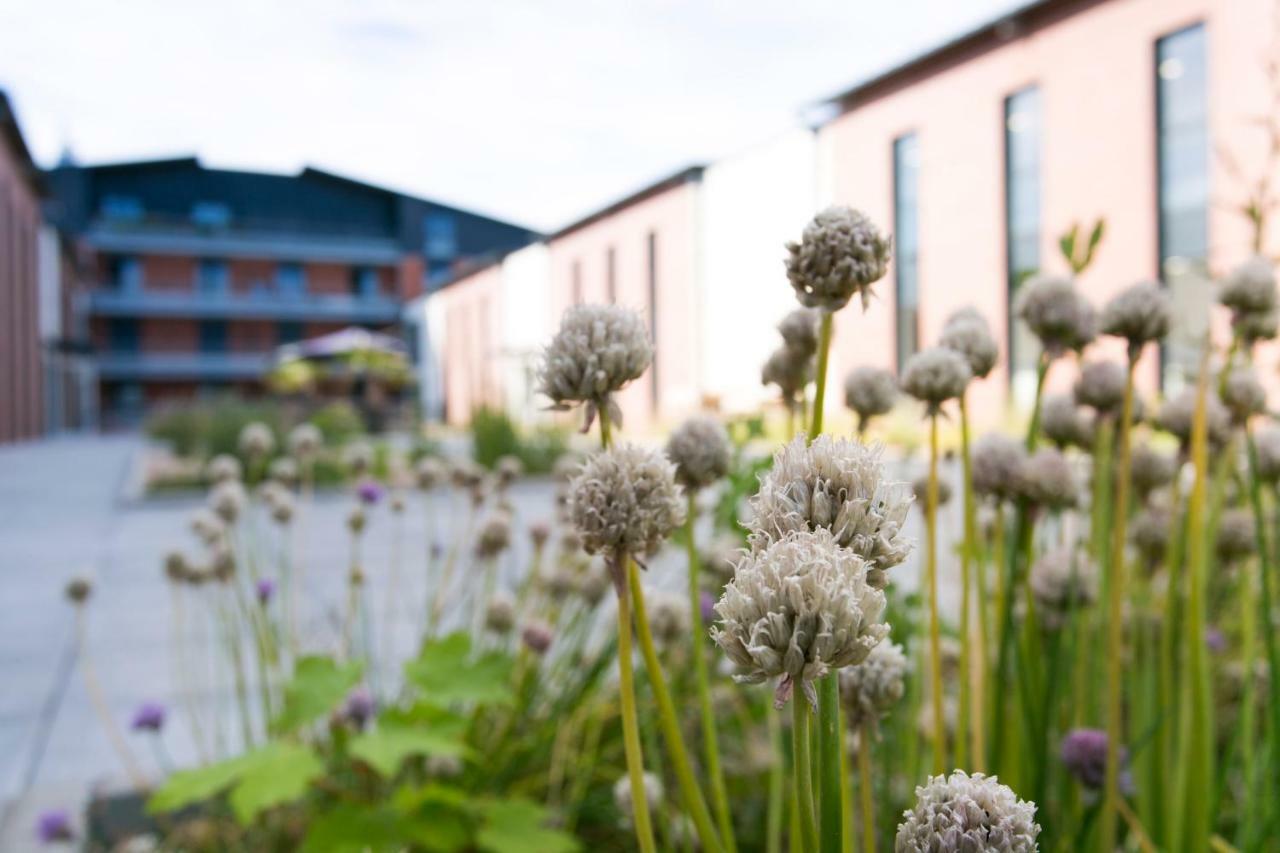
{"type": "Point", "coordinates": [196, 275]}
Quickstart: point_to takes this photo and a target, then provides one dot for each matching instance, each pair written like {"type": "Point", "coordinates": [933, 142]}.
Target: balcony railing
{"type": "Point", "coordinates": [182, 366]}
{"type": "Point", "coordinates": [265, 306]}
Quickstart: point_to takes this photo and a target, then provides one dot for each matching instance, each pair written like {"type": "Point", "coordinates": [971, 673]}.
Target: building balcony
{"type": "Point", "coordinates": [182, 366]}
{"type": "Point", "coordinates": [254, 306]}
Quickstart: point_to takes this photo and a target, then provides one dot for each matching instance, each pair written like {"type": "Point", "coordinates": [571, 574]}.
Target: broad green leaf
{"type": "Point", "coordinates": [189, 786]}
{"type": "Point", "coordinates": [1067, 244]}
{"type": "Point", "coordinates": [355, 829]}
{"type": "Point", "coordinates": [277, 773]}
{"type": "Point", "coordinates": [441, 816]}
{"type": "Point", "coordinates": [387, 746]}
{"type": "Point", "coordinates": [446, 674]}
{"type": "Point", "coordinates": [409, 800]}
{"type": "Point", "coordinates": [318, 685]}
{"type": "Point", "coordinates": [516, 826]}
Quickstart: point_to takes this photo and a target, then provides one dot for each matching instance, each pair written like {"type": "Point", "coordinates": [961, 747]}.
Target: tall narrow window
{"type": "Point", "coordinates": [213, 277]}
{"type": "Point", "coordinates": [651, 275]}
{"type": "Point", "coordinates": [906, 244]}
{"type": "Point", "coordinates": [1182, 194]}
{"type": "Point", "coordinates": [1022, 228]}
{"type": "Point", "coordinates": [439, 237]}
{"type": "Point", "coordinates": [364, 282]}
{"type": "Point", "coordinates": [576, 282]}
{"type": "Point", "coordinates": [611, 275]}
{"type": "Point", "coordinates": [125, 273]}
{"type": "Point", "coordinates": [213, 337]}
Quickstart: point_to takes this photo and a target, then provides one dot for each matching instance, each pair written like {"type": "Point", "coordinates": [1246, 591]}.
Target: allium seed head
{"type": "Point", "coordinates": [1048, 480]}
{"type": "Point", "coordinates": [305, 441]}
{"type": "Point", "coordinates": [1150, 469]}
{"type": "Point", "coordinates": [625, 501]}
{"type": "Point", "coordinates": [799, 331]}
{"type": "Point", "coordinates": [539, 533]}
{"type": "Point", "coordinates": [1149, 532]}
{"type": "Point", "coordinates": [207, 526]}
{"type": "Point", "coordinates": [1236, 539]}
{"type": "Point", "coordinates": [798, 609]}
{"type": "Point", "coordinates": [1250, 289]}
{"type": "Point", "coordinates": [1101, 385]}
{"type": "Point", "coordinates": [283, 471]}
{"type": "Point", "coordinates": [1057, 314]}
{"type": "Point", "coordinates": [1062, 580]}
{"type": "Point", "coordinates": [967, 332]}
{"type": "Point", "coordinates": [356, 520]}
{"type": "Point", "coordinates": [1267, 443]}
{"type": "Point", "coordinates": [500, 613]}
{"type": "Point", "coordinates": [1176, 416]}
{"type": "Point", "coordinates": [870, 689]}
{"type": "Point", "coordinates": [227, 499]}
{"type": "Point", "coordinates": [282, 508]}
{"type": "Point", "coordinates": [494, 536]}
{"type": "Point", "coordinates": [936, 375]}
{"type": "Point", "coordinates": [1065, 423]}
{"type": "Point", "coordinates": [78, 590]}
{"type": "Point", "coordinates": [967, 814]}
{"type": "Point", "coordinates": [669, 618]}
{"type": "Point", "coordinates": [997, 465]}
{"type": "Point", "coordinates": [841, 253]}
{"type": "Point", "coordinates": [838, 485]}
{"type": "Point", "coordinates": [358, 457]}
{"type": "Point", "coordinates": [789, 370]}
{"type": "Point", "coordinates": [700, 450]}
{"type": "Point", "coordinates": [509, 468]}
{"type": "Point", "coordinates": [222, 468]}
{"type": "Point", "coordinates": [721, 555]}
{"type": "Point", "coordinates": [920, 488]}
{"type": "Point", "coordinates": [1252, 328]}
{"type": "Point", "coordinates": [257, 440]}
{"type": "Point", "coordinates": [1242, 394]}
{"type": "Point", "coordinates": [537, 636]}
{"type": "Point", "coordinates": [596, 352]}
{"type": "Point", "coordinates": [430, 473]}
{"type": "Point", "coordinates": [870, 392]}
{"type": "Point", "coordinates": [1140, 314]}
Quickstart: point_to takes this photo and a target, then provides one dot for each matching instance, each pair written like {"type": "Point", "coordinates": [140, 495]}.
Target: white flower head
{"type": "Point", "coordinates": [798, 609]}
{"type": "Point", "coordinates": [700, 450]}
{"type": "Point", "coordinates": [870, 689]}
{"type": "Point", "coordinates": [228, 499]}
{"type": "Point", "coordinates": [625, 501]}
{"type": "Point", "coordinates": [596, 352]}
{"type": "Point", "coordinates": [1242, 394]}
{"type": "Point", "coordinates": [967, 332]}
{"type": "Point", "coordinates": [358, 456]}
{"type": "Point", "coordinates": [838, 485]}
{"type": "Point", "coordinates": [1057, 314]}
{"type": "Point", "coordinates": [222, 468]}
{"type": "Point", "coordinates": [1250, 289]}
{"type": "Point", "coordinates": [1062, 580]}
{"type": "Point", "coordinates": [1048, 480]}
{"type": "Point", "coordinates": [1150, 469]}
{"type": "Point", "coordinates": [257, 440]}
{"type": "Point", "coordinates": [494, 536]}
{"type": "Point", "coordinates": [1140, 314]}
{"type": "Point", "coordinates": [305, 441]}
{"type": "Point", "coordinates": [997, 466]}
{"type": "Point", "coordinates": [790, 370]}
{"type": "Point", "coordinates": [936, 375]}
{"type": "Point", "coordinates": [1177, 414]}
{"type": "Point", "coordinates": [840, 253]}
{"type": "Point", "coordinates": [967, 814]}
{"type": "Point", "coordinates": [799, 331]}
{"type": "Point", "coordinates": [1101, 386]}
{"type": "Point", "coordinates": [1066, 424]}
{"type": "Point", "coordinates": [870, 392]}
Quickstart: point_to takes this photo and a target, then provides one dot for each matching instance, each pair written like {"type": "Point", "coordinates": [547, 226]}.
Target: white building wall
{"type": "Point", "coordinates": [752, 203]}
{"type": "Point", "coordinates": [526, 326]}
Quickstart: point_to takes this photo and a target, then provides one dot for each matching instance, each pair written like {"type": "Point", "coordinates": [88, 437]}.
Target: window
{"type": "Point", "coordinates": [213, 337]}
{"type": "Point", "coordinates": [288, 332]}
{"type": "Point", "coordinates": [121, 208]}
{"type": "Point", "coordinates": [1182, 194]}
{"type": "Point", "coordinates": [364, 283]}
{"type": "Point", "coordinates": [906, 245]}
{"type": "Point", "coordinates": [210, 214]}
{"type": "Point", "coordinates": [212, 277]}
{"type": "Point", "coordinates": [575, 283]}
{"type": "Point", "coordinates": [1022, 227]}
{"type": "Point", "coordinates": [611, 275]}
{"type": "Point", "coordinates": [122, 335]}
{"type": "Point", "coordinates": [439, 237]}
{"type": "Point", "coordinates": [125, 273]}
{"type": "Point", "coordinates": [651, 268]}
{"type": "Point", "coordinates": [291, 280]}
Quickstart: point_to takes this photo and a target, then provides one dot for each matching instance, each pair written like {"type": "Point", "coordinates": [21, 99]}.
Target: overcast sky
{"type": "Point", "coordinates": [534, 110]}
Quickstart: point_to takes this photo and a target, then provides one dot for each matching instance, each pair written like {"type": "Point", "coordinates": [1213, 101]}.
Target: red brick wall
{"type": "Point", "coordinates": [251, 336]}
{"type": "Point", "coordinates": [409, 276]}
{"type": "Point", "coordinates": [168, 335]}
{"type": "Point", "coordinates": [21, 406]}
{"type": "Point", "coordinates": [329, 279]}
{"type": "Point", "coordinates": [168, 273]}
{"type": "Point", "coordinates": [246, 276]}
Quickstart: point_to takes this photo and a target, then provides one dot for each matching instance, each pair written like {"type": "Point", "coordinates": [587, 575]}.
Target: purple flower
{"type": "Point", "coordinates": [358, 707]}
{"type": "Point", "coordinates": [149, 717]}
{"type": "Point", "coordinates": [1215, 639]}
{"type": "Point", "coordinates": [1084, 752]}
{"type": "Point", "coordinates": [707, 604]}
{"type": "Point", "coordinates": [370, 492]}
{"type": "Point", "coordinates": [266, 588]}
{"type": "Point", "coordinates": [54, 826]}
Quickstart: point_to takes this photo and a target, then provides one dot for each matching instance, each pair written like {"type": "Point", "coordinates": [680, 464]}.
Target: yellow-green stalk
{"type": "Point", "coordinates": [931, 581]}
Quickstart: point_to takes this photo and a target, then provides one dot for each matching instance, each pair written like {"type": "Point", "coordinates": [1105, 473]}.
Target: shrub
{"type": "Point", "coordinates": [494, 435]}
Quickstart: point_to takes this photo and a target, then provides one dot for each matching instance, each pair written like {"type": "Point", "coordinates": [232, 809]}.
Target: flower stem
{"type": "Point", "coordinates": [773, 816]}
{"type": "Point", "coordinates": [931, 579]}
{"type": "Point", "coordinates": [631, 725]}
{"type": "Point", "coordinates": [710, 743]}
{"type": "Point", "coordinates": [1272, 722]}
{"type": "Point", "coordinates": [820, 379]}
{"type": "Point", "coordinates": [803, 772]}
{"type": "Point", "coordinates": [100, 706]}
{"type": "Point", "coordinates": [1115, 618]}
{"type": "Point", "coordinates": [971, 653]}
{"type": "Point", "coordinates": [864, 790]}
{"type": "Point", "coordinates": [668, 720]}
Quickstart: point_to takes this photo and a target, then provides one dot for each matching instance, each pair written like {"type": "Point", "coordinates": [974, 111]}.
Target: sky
{"type": "Point", "coordinates": [538, 111]}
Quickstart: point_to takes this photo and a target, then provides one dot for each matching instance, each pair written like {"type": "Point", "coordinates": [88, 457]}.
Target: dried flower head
{"type": "Point", "coordinates": [305, 441]}
{"type": "Point", "coordinates": [78, 590]}
{"type": "Point", "coordinates": [1249, 289]}
{"type": "Point", "coordinates": [257, 440]}
{"type": "Point", "coordinates": [222, 468]}
{"type": "Point", "coordinates": [1150, 469]}
{"type": "Point", "coordinates": [1149, 532]}
{"type": "Point", "coordinates": [653, 794]}
{"type": "Point", "coordinates": [1101, 385]}
{"type": "Point", "coordinates": [1177, 414]}
{"type": "Point", "coordinates": [840, 253]}
{"type": "Point", "coordinates": [920, 488]}
{"type": "Point", "coordinates": [966, 331]}
{"type": "Point", "coordinates": [500, 613]}
{"type": "Point", "coordinates": [227, 499]}
{"type": "Point", "coordinates": [966, 814]}
{"type": "Point", "coordinates": [356, 520]}
{"type": "Point", "coordinates": [798, 609]}
{"type": "Point", "coordinates": [1048, 480]}
{"type": "Point", "coordinates": [465, 474]}
{"type": "Point", "coordinates": [207, 526]}
{"type": "Point", "coordinates": [1140, 314]}
{"type": "Point", "coordinates": [177, 567]}
{"type": "Point", "coordinates": [539, 533]}
{"type": "Point", "coordinates": [669, 618]}
{"type": "Point", "coordinates": [936, 375]}
{"type": "Point", "coordinates": [1084, 753]}
{"type": "Point", "coordinates": [870, 689]}
{"type": "Point", "coordinates": [838, 485]}
{"type": "Point", "coordinates": [720, 556]}
{"type": "Point", "coordinates": [1065, 423]}
{"type": "Point", "coordinates": [284, 471]}
{"type": "Point", "coordinates": [148, 717]}
{"type": "Point", "coordinates": [1062, 580]}
{"type": "Point", "coordinates": [799, 331]}
{"type": "Point", "coordinates": [870, 392]}
{"type": "Point", "coordinates": [700, 450]}
{"type": "Point", "coordinates": [508, 469]}
{"type": "Point", "coordinates": [537, 636]}
{"type": "Point", "coordinates": [430, 473]}
{"type": "Point", "coordinates": [282, 507]}
{"type": "Point", "coordinates": [1242, 394]}
{"type": "Point", "coordinates": [1267, 442]}
{"type": "Point", "coordinates": [1056, 314]}
{"type": "Point", "coordinates": [625, 501]}
{"type": "Point", "coordinates": [359, 707]}
{"type": "Point", "coordinates": [596, 352]}
{"type": "Point", "coordinates": [789, 370]}
{"type": "Point", "coordinates": [1236, 535]}
{"type": "Point", "coordinates": [494, 536]}
{"type": "Point", "coordinates": [358, 457]}
{"type": "Point", "coordinates": [997, 466]}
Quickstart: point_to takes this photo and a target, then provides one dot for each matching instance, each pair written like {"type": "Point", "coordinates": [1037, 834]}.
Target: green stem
{"type": "Point", "coordinates": [931, 581]}
{"type": "Point", "coordinates": [864, 791]}
{"type": "Point", "coordinates": [631, 724]}
{"type": "Point", "coordinates": [803, 772]}
{"type": "Point", "coordinates": [970, 693]}
{"type": "Point", "coordinates": [710, 742]}
{"type": "Point", "coordinates": [1268, 632]}
{"type": "Point", "coordinates": [1115, 620]}
{"type": "Point", "coordinates": [773, 816]}
{"type": "Point", "coordinates": [669, 722]}
{"type": "Point", "coordinates": [820, 379]}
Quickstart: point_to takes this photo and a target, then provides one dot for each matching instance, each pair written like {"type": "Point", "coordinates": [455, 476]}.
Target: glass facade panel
{"type": "Point", "coordinates": [906, 245]}
{"type": "Point", "coordinates": [1022, 145]}
{"type": "Point", "coordinates": [291, 281]}
{"type": "Point", "coordinates": [213, 278]}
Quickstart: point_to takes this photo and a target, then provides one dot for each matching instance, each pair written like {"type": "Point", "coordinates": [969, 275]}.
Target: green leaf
{"type": "Point", "coordinates": [440, 815]}
{"type": "Point", "coordinates": [1095, 236]}
{"type": "Point", "coordinates": [189, 786]}
{"type": "Point", "coordinates": [356, 829]}
{"type": "Point", "coordinates": [278, 773]}
{"type": "Point", "coordinates": [446, 674]}
{"type": "Point", "coordinates": [318, 685]}
{"type": "Point", "coordinates": [1067, 244]}
{"type": "Point", "coordinates": [387, 746]}
{"type": "Point", "coordinates": [516, 826]}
